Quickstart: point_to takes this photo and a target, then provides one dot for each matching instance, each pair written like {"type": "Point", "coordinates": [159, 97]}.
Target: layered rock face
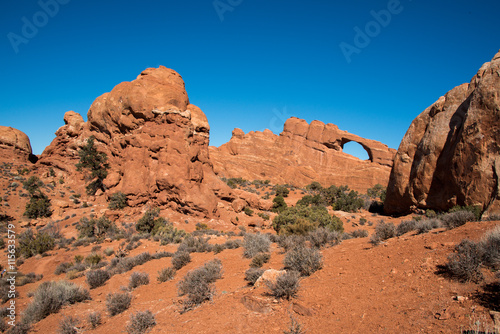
{"type": "Point", "coordinates": [14, 144]}
{"type": "Point", "coordinates": [155, 140]}
{"type": "Point", "coordinates": [301, 154]}
{"type": "Point", "coordinates": [450, 155]}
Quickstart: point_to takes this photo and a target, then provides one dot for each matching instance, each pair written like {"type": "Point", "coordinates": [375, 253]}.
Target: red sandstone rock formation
{"type": "Point", "coordinates": [14, 144]}
{"type": "Point", "coordinates": [301, 154]}
{"type": "Point", "coordinates": [156, 142]}
{"type": "Point", "coordinates": [450, 155]}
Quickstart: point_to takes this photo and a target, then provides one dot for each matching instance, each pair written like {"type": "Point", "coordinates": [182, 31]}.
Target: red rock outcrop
{"type": "Point", "coordinates": [14, 144]}
{"type": "Point", "coordinates": [301, 154]}
{"type": "Point", "coordinates": [155, 140]}
{"type": "Point", "coordinates": [450, 155]}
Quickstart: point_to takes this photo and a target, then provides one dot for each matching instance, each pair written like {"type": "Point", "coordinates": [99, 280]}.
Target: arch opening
{"type": "Point", "coordinates": [357, 150]}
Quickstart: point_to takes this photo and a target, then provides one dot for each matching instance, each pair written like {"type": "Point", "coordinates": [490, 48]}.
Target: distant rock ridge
{"type": "Point", "coordinates": [155, 140]}
{"type": "Point", "coordinates": [450, 154]}
{"type": "Point", "coordinates": [301, 154]}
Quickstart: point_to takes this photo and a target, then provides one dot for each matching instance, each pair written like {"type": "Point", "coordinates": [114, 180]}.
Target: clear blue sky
{"type": "Point", "coordinates": [265, 61]}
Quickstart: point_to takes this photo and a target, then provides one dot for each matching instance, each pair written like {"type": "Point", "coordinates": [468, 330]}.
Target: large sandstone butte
{"type": "Point", "coordinates": [156, 142]}
{"type": "Point", "coordinates": [450, 155]}
{"type": "Point", "coordinates": [301, 154]}
{"type": "Point", "coordinates": [14, 144]}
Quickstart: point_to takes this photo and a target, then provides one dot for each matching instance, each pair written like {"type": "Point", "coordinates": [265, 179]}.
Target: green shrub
{"type": "Point", "coordinates": [50, 297]}
{"type": "Point", "coordinates": [377, 191]}
{"type": "Point", "coordinates": [118, 302]}
{"type": "Point", "coordinates": [96, 278]}
{"type": "Point", "coordinates": [197, 284]}
{"type": "Point", "coordinates": [95, 163]}
{"type": "Point", "coordinates": [38, 206]}
{"type": "Point", "coordinates": [166, 274]}
{"type": "Point", "coordinates": [248, 211]}
{"type": "Point", "coordinates": [253, 274]}
{"type": "Point", "coordinates": [117, 201]}
{"type": "Point", "coordinates": [264, 216]}
{"type": "Point", "coordinates": [303, 260]}
{"type": "Point", "coordinates": [302, 219]}
{"type": "Point", "coordinates": [32, 185]}
{"type": "Point", "coordinates": [286, 285]}
{"type": "Point", "coordinates": [150, 222]}
{"type": "Point", "coordinates": [279, 204]}
{"type": "Point", "coordinates": [475, 210]}
{"type": "Point", "coordinates": [141, 322]}
{"type": "Point", "coordinates": [255, 244]}
{"type": "Point", "coordinates": [282, 191]}
{"type": "Point", "coordinates": [138, 279]}
{"type": "Point", "coordinates": [93, 259]}
{"type": "Point", "coordinates": [30, 244]}
{"type": "Point", "coordinates": [99, 228]}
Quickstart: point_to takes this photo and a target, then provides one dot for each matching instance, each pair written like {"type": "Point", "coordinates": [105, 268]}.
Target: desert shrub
{"type": "Point", "coordinates": [94, 319]}
{"type": "Point", "coordinates": [253, 274]}
{"type": "Point", "coordinates": [28, 278]}
{"type": "Point", "coordinates": [260, 259]}
{"type": "Point", "coordinates": [68, 325]}
{"type": "Point", "coordinates": [38, 206]}
{"type": "Point", "coordinates": [282, 191]}
{"type": "Point", "coordinates": [255, 244]}
{"type": "Point", "coordinates": [286, 285]}
{"type": "Point", "coordinates": [93, 259]}
{"type": "Point", "coordinates": [150, 222]}
{"type": "Point", "coordinates": [431, 213]}
{"type": "Point", "coordinates": [405, 226]}
{"type": "Point", "coordinates": [118, 302]}
{"type": "Point", "coordinates": [289, 242]}
{"type": "Point", "coordinates": [195, 245]}
{"type": "Point", "coordinates": [264, 216]}
{"type": "Point", "coordinates": [169, 234]}
{"type": "Point", "coordinates": [117, 201]}
{"type": "Point", "coordinates": [279, 204]}
{"type": "Point", "coordinates": [180, 259]}
{"type": "Point", "coordinates": [50, 297]}
{"type": "Point", "coordinates": [197, 284]}
{"type": "Point", "coordinates": [294, 327]}
{"type": "Point", "coordinates": [465, 264]}
{"type": "Point", "coordinates": [490, 245]}
{"type": "Point", "coordinates": [323, 236]}
{"type": "Point", "coordinates": [475, 210]}
{"type": "Point", "coordinates": [359, 233]}
{"type": "Point", "coordinates": [30, 244]}
{"type": "Point", "coordinates": [138, 279]}
{"type": "Point", "coordinates": [162, 254]}
{"type": "Point", "coordinates": [142, 258]}
{"type": "Point", "coordinates": [302, 220]}
{"type": "Point", "coordinates": [109, 251]}
{"type": "Point", "coordinates": [457, 218]}
{"type": "Point", "coordinates": [63, 268]}
{"type": "Point", "coordinates": [248, 211]}
{"type": "Point", "coordinates": [32, 184]}
{"type": "Point", "coordinates": [141, 322]}
{"type": "Point", "coordinates": [303, 260]}
{"type": "Point", "coordinates": [232, 244]}
{"type": "Point", "coordinates": [96, 278]}
{"type": "Point", "coordinates": [427, 225]}
{"type": "Point", "coordinates": [383, 231]}
{"type": "Point", "coordinates": [377, 191]}
{"type": "Point", "coordinates": [95, 163]}
{"type": "Point", "coordinates": [166, 274]}
{"type": "Point", "coordinates": [88, 228]}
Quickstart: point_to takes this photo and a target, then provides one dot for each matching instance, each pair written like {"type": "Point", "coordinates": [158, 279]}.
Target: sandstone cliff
{"type": "Point", "coordinates": [450, 155]}
{"type": "Point", "coordinates": [301, 154]}
{"type": "Point", "coordinates": [14, 144]}
{"type": "Point", "coordinates": [156, 142]}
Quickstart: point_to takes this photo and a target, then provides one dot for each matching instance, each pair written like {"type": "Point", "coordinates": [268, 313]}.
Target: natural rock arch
{"type": "Point", "coordinates": [366, 148]}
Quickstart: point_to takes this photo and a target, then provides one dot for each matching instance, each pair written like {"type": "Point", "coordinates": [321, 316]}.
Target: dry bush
{"type": "Point", "coordinates": [138, 279]}
{"type": "Point", "coordinates": [96, 278]}
{"type": "Point", "coordinates": [465, 264]}
{"type": "Point", "coordinates": [458, 218]}
{"type": "Point", "coordinates": [303, 260]}
{"type": "Point", "coordinates": [180, 259]}
{"type": "Point", "coordinates": [359, 233]}
{"type": "Point", "coordinates": [383, 231]}
{"type": "Point", "coordinates": [289, 242]}
{"type": "Point", "coordinates": [255, 244]}
{"type": "Point", "coordinates": [405, 226]}
{"type": "Point", "coordinates": [68, 325]}
{"type": "Point", "coordinates": [286, 285]}
{"type": "Point", "coordinates": [166, 274]}
{"type": "Point", "coordinates": [117, 303]}
{"type": "Point", "coordinates": [427, 225]}
{"type": "Point", "coordinates": [490, 245]}
{"type": "Point", "coordinates": [259, 260]}
{"type": "Point", "coordinates": [324, 236]}
{"type": "Point", "coordinates": [94, 319]}
{"type": "Point", "coordinates": [141, 322]}
{"type": "Point", "coordinates": [253, 274]}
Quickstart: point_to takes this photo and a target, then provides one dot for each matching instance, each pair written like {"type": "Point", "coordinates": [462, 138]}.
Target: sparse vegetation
{"type": "Point", "coordinates": [30, 244]}
{"type": "Point", "coordinates": [303, 260]}
{"type": "Point", "coordinates": [94, 319]}
{"type": "Point", "coordinates": [166, 274]}
{"type": "Point", "coordinates": [197, 284]}
{"type": "Point", "coordinates": [180, 259]}
{"type": "Point", "coordinates": [253, 274]}
{"type": "Point", "coordinates": [377, 191]}
{"type": "Point", "coordinates": [138, 279]}
{"type": "Point", "coordinates": [282, 191]}
{"type": "Point", "coordinates": [260, 259]}
{"type": "Point", "coordinates": [255, 244]}
{"type": "Point", "coordinates": [95, 163]}
{"type": "Point", "coordinates": [39, 204]}
{"type": "Point", "coordinates": [68, 325]}
{"type": "Point", "coordinates": [465, 264]}
{"type": "Point", "coordinates": [99, 228]}
{"type": "Point", "coordinates": [383, 231]}
{"type": "Point", "coordinates": [286, 285]}
{"type": "Point", "coordinates": [118, 302]}
{"type": "Point", "coordinates": [457, 218]}
{"type": "Point", "coordinates": [304, 219]}
{"type": "Point", "coordinates": [96, 278]}
{"type": "Point", "coordinates": [141, 322]}
{"type": "Point", "coordinates": [279, 204]}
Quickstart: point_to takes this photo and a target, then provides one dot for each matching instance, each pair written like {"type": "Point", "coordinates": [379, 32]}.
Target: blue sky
{"type": "Point", "coordinates": [246, 63]}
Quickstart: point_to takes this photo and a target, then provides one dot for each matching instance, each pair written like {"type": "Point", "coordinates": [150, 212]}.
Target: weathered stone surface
{"type": "Point", "coordinates": [14, 140]}
{"type": "Point", "coordinates": [301, 154]}
{"type": "Point", "coordinates": [270, 276]}
{"type": "Point", "coordinates": [450, 155]}
{"type": "Point", "coordinates": [155, 140]}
